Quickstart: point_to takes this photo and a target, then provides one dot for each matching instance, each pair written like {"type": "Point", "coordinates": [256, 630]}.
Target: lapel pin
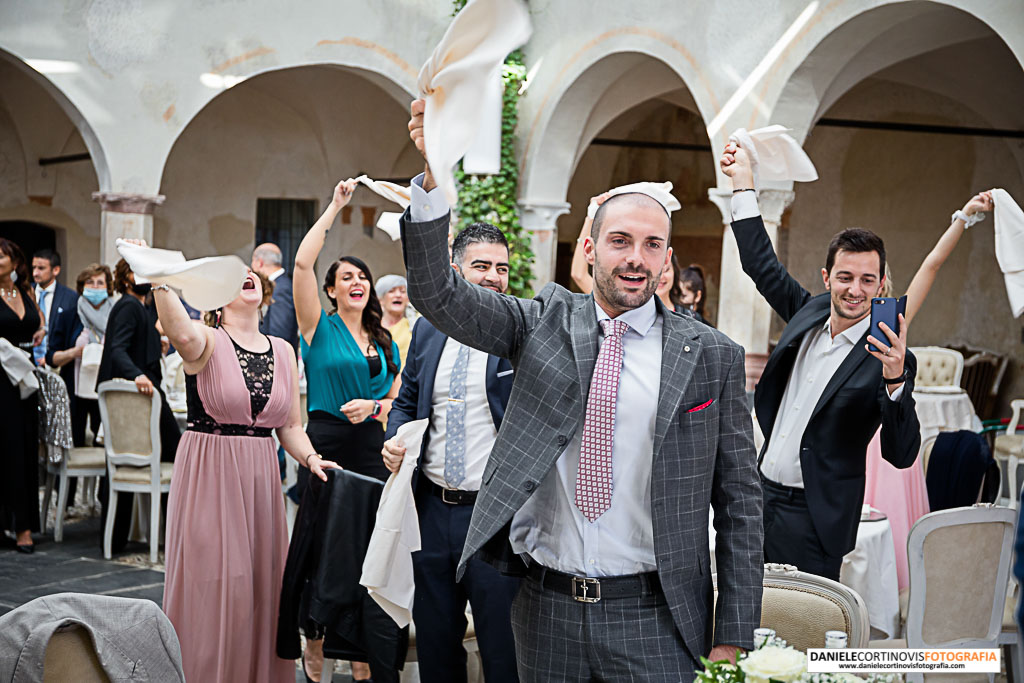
{"type": "Point", "coordinates": [686, 349]}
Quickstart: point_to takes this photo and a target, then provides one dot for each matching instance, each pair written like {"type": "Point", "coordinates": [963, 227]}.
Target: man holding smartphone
{"type": "Point", "coordinates": [821, 396]}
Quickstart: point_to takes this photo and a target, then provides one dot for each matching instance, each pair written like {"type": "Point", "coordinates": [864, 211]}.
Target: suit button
{"type": "Point", "coordinates": [528, 486]}
{"type": "Point", "coordinates": [561, 439]}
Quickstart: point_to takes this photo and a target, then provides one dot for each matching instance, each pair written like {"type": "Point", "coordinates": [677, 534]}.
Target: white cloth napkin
{"type": "Point", "coordinates": [458, 82]}
{"type": "Point", "coordinates": [18, 367]}
{"type": "Point", "coordinates": [387, 568]}
{"type": "Point", "coordinates": [659, 192]}
{"type": "Point", "coordinates": [1009, 229]}
{"type": "Point", "coordinates": [774, 155]}
{"type": "Point", "coordinates": [205, 283]}
{"type": "Point", "coordinates": [388, 221]}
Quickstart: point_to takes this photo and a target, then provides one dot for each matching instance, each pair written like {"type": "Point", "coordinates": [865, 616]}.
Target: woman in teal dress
{"type": "Point", "coordinates": [352, 370]}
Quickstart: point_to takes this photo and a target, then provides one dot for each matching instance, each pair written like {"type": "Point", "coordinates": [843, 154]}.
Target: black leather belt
{"type": "Point", "coordinates": [452, 496]}
{"type": "Point", "coordinates": [589, 589]}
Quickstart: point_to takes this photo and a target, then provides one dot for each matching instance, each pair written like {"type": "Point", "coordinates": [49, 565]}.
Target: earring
{"type": "Point", "coordinates": [219, 311]}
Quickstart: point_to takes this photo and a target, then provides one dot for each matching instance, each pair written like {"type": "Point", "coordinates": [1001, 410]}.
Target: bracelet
{"type": "Point", "coordinates": [164, 287]}
{"type": "Point", "coordinates": [968, 220]}
{"type": "Point", "coordinates": [310, 456]}
{"type": "Point", "coordinates": [897, 380]}
{"type": "Point", "coordinates": [744, 189]}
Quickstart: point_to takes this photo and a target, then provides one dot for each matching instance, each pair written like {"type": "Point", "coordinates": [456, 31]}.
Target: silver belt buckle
{"type": "Point", "coordinates": [444, 496]}
{"type": "Point", "coordinates": [586, 589]}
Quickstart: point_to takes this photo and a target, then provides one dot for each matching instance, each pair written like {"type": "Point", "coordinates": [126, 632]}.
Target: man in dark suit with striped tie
{"type": "Point", "coordinates": [626, 424]}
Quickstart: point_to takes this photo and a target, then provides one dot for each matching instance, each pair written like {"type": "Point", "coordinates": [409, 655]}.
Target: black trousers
{"type": "Point", "coordinates": [789, 535]}
{"type": "Point", "coordinates": [439, 606]}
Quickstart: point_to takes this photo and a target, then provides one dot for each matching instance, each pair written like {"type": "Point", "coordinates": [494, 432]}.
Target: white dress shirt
{"type": "Point", "coordinates": [276, 274]}
{"type": "Point", "coordinates": [480, 431]}
{"type": "Point", "coordinates": [551, 529]}
{"type": "Point", "coordinates": [817, 360]}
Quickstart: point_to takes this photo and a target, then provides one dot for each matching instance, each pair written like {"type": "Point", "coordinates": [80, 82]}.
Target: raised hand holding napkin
{"type": "Point", "coordinates": [774, 155]}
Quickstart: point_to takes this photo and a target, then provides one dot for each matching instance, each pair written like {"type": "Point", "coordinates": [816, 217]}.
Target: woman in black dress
{"type": "Point", "coordinates": [20, 324]}
{"type": "Point", "coordinates": [132, 351]}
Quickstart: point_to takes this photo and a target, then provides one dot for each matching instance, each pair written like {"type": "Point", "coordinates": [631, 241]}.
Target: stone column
{"type": "Point", "coordinates": [743, 314]}
{"type": "Point", "coordinates": [539, 217]}
{"type": "Point", "coordinates": [124, 214]}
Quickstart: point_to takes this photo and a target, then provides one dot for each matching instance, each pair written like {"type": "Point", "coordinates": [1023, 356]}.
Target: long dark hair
{"type": "Point", "coordinates": [693, 276]}
{"type": "Point", "coordinates": [14, 252]}
{"type": "Point", "coordinates": [372, 314]}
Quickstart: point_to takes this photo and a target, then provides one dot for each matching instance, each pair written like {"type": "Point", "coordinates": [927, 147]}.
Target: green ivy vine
{"type": "Point", "coordinates": [492, 198]}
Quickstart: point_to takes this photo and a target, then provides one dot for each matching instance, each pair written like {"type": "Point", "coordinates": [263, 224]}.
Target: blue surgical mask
{"type": "Point", "coordinates": [95, 296]}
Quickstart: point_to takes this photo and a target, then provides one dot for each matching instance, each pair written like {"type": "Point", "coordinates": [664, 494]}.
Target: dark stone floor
{"type": "Point", "coordinates": [77, 565]}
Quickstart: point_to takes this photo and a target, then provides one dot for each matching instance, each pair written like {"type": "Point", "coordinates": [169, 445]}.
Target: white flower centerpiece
{"type": "Point", "coordinates": [776, 662]}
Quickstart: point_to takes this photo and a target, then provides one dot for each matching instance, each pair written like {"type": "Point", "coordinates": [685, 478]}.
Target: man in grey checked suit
{"type": "Point", "coordinates": [623, 591]}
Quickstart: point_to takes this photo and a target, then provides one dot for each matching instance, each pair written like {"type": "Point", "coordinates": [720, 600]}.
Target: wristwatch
{"type": "Point", "coordinates": [897, 380]}
{"type": "Point", "coordinates": [377, 408]}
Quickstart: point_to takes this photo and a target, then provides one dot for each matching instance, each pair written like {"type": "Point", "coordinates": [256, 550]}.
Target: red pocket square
{"type": "Point", "coordinates": [702, 406]}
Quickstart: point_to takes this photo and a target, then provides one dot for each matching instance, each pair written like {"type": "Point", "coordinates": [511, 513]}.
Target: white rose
{"type": "Point", "coordinates": [774, 663]}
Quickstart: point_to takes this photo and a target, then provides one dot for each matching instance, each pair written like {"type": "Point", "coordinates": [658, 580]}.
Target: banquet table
{"type": "Point", "coordinates": [939, 409]}
{"type": "Point", "coordinates": [870, 569]}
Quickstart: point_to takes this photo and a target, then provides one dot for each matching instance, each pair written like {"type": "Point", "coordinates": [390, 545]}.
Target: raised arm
{"type": "Point", "coordinates": [579, 270]}
{"type": "Point", "coordinates": [192, 339]}
{"type": "Point", "coordinates": [304, 287]}
{"type": "Point", "coordinates": [483, 319]}
{"type": "Point", "coordinates": [757, 255]}
{"type": "Point", "coordinates": [919, 287]}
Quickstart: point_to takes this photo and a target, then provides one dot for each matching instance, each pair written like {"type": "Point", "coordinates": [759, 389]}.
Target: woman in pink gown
{"type": "Point", "coordinates": [226, 532]}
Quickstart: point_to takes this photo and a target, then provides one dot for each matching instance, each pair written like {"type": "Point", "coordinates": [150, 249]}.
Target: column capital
{"type": "Point", "coordinates": [541, 215]}
{"type": "Point", "coordinates": [771, 202]}
{"type": "Point", "coordinates": [128, 202]}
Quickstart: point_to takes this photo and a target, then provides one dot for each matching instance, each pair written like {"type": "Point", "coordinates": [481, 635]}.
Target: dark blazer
{"type": "Point", "coordinates": [854, 403]}
{"type": "Point", "coordinates": [701, 458]}
{"type": "Point", "coordinates": [414, 400]}
{"type": "Point", "coordinates": [132, 345]}
{"type": "Point", "coordinates": [62, 329]}
{"type": "Point", "coordinates": [279, 319]}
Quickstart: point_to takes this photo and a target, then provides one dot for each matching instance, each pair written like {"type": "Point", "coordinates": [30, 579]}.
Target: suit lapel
{"type": "Point", "coordinates": [431, 359]}
{"type": "Point", "coordinates": [680, 348]}
{"type": "Point", "coordinates": [857, 355]}
{"type": "Point", "coordinates": [584, 343]}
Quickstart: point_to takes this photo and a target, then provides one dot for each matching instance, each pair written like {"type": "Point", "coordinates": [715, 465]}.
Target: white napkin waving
{"type": "Point", "coordinates": [18, 368]}
{"type": "Point", "coordinates": [387, 568]}
{"type": "Point", "coordinates": [205, 283]}
{"type": "Point", "coordinates": [1009, 229]}
{"type": "Point", "coordinates": [774, 155]}
{"type": "Point", "coordinates": [388, 221]}
{"type": "Point", "coordinates": [457, 83]}
{"type": "Point", "coordinates": [659, 192]}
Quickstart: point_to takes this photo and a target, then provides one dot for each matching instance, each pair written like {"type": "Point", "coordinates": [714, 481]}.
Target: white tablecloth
{"type": "Point", "coordinates": [870, 569]}
{"type": "Point", "coordinates": [949, 411]}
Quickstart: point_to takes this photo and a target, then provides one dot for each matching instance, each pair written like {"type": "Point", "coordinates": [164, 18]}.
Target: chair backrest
{"type": "Point", "coordinates": [801, 607]}
{"type": "Point", "coordinates": [926, 451]}
{"type": "Point", "coordinates": [1017, 405]}
{"type": "Point", "coordinates": [982, 377]}
{"type": "Point", "coordinates": [937, 366]}
{"type": "Point", "coordinates": [71, 656]}
{"type": "Point", "coordinates": [131, 424]}
{"type": "Point", "coordinates": [959, 571]}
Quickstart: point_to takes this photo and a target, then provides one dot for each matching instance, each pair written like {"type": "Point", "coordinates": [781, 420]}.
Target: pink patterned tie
{"type": "Point", "coordinates": [594, 477]}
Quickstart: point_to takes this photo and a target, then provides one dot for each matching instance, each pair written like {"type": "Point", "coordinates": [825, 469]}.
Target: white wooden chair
{"type": "Point", "coordinates": [938, 367]}
{"type": "Point", "coordinates": [1009, 448]}
{"type": "Point", "coordinates": [955, 600]}
{"type": "Point", "coordinates": [131, 423]}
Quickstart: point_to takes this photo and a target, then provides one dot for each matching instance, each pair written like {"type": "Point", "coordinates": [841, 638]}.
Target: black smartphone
{"type": "Point", "coordinates": [886, 309]}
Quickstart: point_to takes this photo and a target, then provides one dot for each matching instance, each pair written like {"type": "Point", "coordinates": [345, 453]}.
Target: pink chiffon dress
{"type": "Point", "coordinates": [226, 533]}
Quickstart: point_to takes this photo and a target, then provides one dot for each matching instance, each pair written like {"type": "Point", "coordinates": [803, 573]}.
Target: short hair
{"type": "Point", "coordinates": [693, 277]}
{"type": "Point", "coordinates": [268, 256]}
{"type": "Point", "coordinates": [634, 198]}
{"type": "Point", "coordinates": [50, 255]}
{"type": "Point", "coordinates": [121, 272]}
{"type": "Point", "coordinates": [92, 270]}
{"type": "Point", "coordinates": [857, 241]}
{"type": "Point", "coordinates": [476, 233]}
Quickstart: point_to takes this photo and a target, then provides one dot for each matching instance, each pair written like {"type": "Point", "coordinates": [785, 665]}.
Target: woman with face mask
{"type": "Point", "coordinates": [131, 350]}
{"type": "Point", "coordinates": [95, 287]}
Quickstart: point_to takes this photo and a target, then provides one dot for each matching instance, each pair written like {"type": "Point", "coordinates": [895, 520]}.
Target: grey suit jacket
{"type": "Point", "coordinates": [701, 458]}
{"type": "Point", "coordinates": [134, 639]}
